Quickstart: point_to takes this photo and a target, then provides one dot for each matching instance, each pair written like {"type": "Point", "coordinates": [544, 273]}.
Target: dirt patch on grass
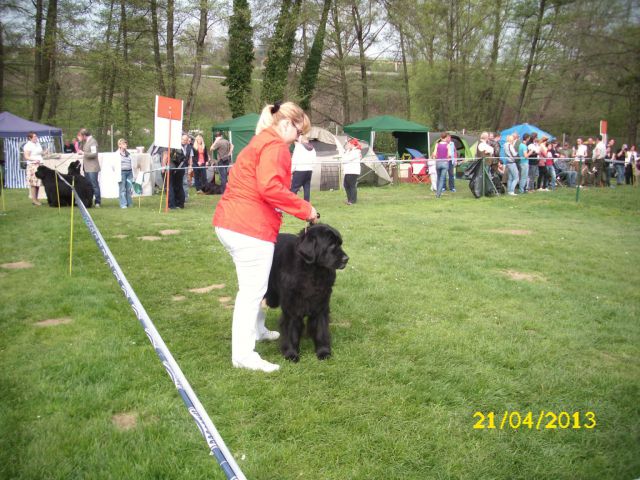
{"type": "Point", "coordinates": [527, 277]}
{"type": "Point", "coordinates": [125, 421]}
{"type": "Point", "coordinates": [224, 299]}
{"type": "Point", "coordinates": [210, 288]}
{"type": "Point", "coordinates": [120, 235]}
{"type": "Point", "coordinates": [169, 232]}
{"type": "Point", "coordinates": [150, 238]}
{"type": "Point", "coordinates": [513, 232]}
{"type": "Point", "coordinates": [229, 307]}
{"type": "Point", "coordinates": [51, 322]}
{"type": "Point", "coordinates": [343, 324]}
{"type": "Point", "coordinates": [178, 298]}
{"type": "Point", "coordinates": [17, 265]}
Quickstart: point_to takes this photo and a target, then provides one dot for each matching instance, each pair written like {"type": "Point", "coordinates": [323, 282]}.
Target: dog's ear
{"type": "Point", "coordinates": [307, 248]}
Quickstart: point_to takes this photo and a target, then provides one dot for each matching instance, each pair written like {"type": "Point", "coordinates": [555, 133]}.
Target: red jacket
{"type": "Point", "coordinates": [258, 189]}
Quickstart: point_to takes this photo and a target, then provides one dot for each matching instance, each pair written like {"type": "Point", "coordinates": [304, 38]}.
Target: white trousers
{"type": "Point", "coordinates": [253, 258]}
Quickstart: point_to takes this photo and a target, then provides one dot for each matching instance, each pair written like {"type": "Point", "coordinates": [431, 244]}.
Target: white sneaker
{"type": "Point", "coordinates": [269, 335]}
{"type": "Point", "coordinates": [255, 362]}
{"type": "Point", "coordinates": [513, 194]}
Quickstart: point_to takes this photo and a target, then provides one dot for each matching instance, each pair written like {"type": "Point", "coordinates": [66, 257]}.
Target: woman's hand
{"type": "Point", "coordinates": [313, 216]}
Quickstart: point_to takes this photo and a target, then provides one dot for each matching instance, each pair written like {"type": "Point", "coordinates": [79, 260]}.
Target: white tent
{"type": "Point", "coordinates": [327, 174]}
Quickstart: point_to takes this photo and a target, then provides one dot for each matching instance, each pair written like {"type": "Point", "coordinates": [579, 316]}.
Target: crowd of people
{"type": "Point", "coordinates": [531, 164]}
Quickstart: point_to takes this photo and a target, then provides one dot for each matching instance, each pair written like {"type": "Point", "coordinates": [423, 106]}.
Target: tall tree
{"type": "Point", "coordinates": [276, 69]}
{"type": "Point", "coordinates": [530, 62]}
{"type": "Point", "coordinates": [1, 67]}
{"type": "Point", "coordinates": [342, 64]}
{"type": "Point", "coordinates": [37, 61]}
{"type": "Point", "coordinates": [171, 59]}
{"type": "Point", "coordinates": [197, 64]}
{"type": "Point", "coordinates": [309, 75]}
{"type": "Point", "coordinates": [106, 73]}
{"type": "Point", "coordinates": [48, 59]}
{"type": "Point", "coordinates": [124, 74]}
{"type": "Point", "coordinates": [157, 58]}
{"type": "Point", "coordinates": [238, 81]}
{"type": "Point", "coordinates": [360, 34]}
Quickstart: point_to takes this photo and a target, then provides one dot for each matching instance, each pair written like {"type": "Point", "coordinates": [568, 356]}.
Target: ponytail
{"type": "Point", "coordinates": [272, 114]}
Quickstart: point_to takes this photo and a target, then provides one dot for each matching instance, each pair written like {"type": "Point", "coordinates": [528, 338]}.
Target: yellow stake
{"type": "Point", "coordinates": [73, 183]}
{"type": "Point", "coordinates": [162, 192]}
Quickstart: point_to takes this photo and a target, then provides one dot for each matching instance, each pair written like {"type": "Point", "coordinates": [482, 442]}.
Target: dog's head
{"type": "Point", "coordinates": [74, 168]}
{"type": "Point", "coordinates": [42, 172]}
{"type": "Point", "coordinates": [322, 245]}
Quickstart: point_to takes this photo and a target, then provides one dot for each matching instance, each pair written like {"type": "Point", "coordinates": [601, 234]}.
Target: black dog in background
{"type": "Point", "coordinates": [82, 186]}
{"type": "Point", "coordinates": [301, 281]}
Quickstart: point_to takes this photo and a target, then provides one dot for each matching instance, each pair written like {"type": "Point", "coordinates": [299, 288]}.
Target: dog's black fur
{"type": "Point", "coordinates": [82, 186]}
{"type": "Point", "coordinates": [301, 281]}
{"type": "Point", "coordinates": [212, 188]}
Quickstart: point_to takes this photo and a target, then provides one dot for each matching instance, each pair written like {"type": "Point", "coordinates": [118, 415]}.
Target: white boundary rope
{"type": "Point", "coordinates": [215, 442]}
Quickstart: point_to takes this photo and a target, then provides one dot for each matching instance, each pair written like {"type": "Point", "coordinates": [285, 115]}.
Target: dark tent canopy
{"type": "Point", "coordinates": [409, 134]}
{"type": "Point", "coordinates": [13, 131]}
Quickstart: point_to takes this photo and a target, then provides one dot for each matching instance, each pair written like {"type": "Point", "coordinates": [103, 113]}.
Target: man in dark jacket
{"type": "Point", "coordinates": [178, 162]}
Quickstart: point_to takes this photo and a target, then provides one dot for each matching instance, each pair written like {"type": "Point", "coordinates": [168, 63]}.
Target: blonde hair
{"type": "Point", "coordinates": [122, 141]}
{"type": "Point", "coordinates": [510, 138]}
{"type": "Point", "coordinates": [484, 136]}
{"type": "Point", "coordinates": [196, 142]}
{"type": "Point", "coordinates": [272, 114]}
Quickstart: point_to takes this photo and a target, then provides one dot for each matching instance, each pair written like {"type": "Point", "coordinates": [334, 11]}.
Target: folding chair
{"type": "Point", "coordinates": [418, 171]}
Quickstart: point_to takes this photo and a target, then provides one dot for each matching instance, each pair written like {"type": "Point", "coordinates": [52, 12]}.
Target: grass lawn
{"type": "Point", "coordinates": [446, 308]}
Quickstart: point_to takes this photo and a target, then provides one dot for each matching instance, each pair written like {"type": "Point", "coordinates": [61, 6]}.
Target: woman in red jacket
{"type": "Point", "coordinates": [248, 217]}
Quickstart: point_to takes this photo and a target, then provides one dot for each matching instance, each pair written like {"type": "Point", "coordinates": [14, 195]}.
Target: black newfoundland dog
{"type": "Point", "coordinates": [82, 185]}
{"type": "Point", "coordinates": [301, 280]}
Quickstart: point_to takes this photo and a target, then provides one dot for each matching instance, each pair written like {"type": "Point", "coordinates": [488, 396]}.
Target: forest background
{"type": "Point", "coordinates": [464, 64]}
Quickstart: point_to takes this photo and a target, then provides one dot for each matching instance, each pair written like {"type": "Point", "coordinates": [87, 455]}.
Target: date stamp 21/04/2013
{"type": "Point", "coordinates": [542, 420]}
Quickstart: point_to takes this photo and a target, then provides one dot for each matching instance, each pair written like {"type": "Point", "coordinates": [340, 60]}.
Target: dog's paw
{"type": "Point", "coordinates": [323, 354]}
{"type": "Point", "coordinates": [292, 356]}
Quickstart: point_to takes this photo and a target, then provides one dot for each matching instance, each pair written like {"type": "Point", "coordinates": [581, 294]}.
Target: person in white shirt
{"type": "Point", "coordinates": [631, 166]}
{"type": "Point", "coordinates": [33, 155]}
{"type": "Point", "coordinates": [302, 160]}
{"type": "Point", "coordinates": [599, 152]}
{"type": "Point", "coordinates": [351, 169]}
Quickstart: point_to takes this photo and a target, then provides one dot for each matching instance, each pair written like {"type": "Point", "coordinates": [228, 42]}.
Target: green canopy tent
{"type": "Point", "coordinates": [240, 131]}
{"type": "Point", "coordinates": [409, 134]}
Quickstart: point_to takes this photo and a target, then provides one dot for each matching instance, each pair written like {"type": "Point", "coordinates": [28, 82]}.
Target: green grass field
{"type": "Point", "coordinates": [429, 327]}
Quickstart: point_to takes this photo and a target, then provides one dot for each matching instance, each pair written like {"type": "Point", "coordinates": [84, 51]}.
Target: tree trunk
{"type": "Point", "coordinates": [111, 83]}
{"type": "Point", "coordinates": [171, 62]}
{"type": "Point", "coordinates": [1, 67]}
{"type": "Point", "coordinates": [405, 71]}
{"type": "Point", "coordinates": [238, 81]}
{"type": "Point", "coordinates": [532, 53]}
{"type": "Point", "coordinates": [124, 74]}
{"type": "Point", "coordinates": [156, 47]}
{"type": "Point", "coordinates": [445, 102]}
{"type": "Point", "coordinates": [48, 57]}
{"type": "Point", "coordinates": [197, 66]}
{"type": "Point", "coordinates": [105, 76]}
{"type": "Point", "coordinates": [490, 107]}
{"type": "Point", "coordinates": [37, 61]}
{"type": "Point", "coordinates": [357, 21]}
{"type": "Point", "coordinates": [54, 87]}
{"type": "Point", "coordinates": [346, 113]}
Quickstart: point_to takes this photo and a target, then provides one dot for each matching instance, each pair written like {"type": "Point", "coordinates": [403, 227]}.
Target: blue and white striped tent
{"type": "Point", "coordinates": [13, 131]}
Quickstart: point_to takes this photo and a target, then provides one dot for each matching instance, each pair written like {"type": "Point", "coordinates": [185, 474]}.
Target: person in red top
{"type": "Point", "coordinates": [248, 218]}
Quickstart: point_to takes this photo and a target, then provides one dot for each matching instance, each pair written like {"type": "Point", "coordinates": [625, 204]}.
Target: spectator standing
{"type": "Point", "coordinates": [351, 169]}
{"type": "Point", "coordinates": [451, 171]}
{"type": "Point", "coordinates": [32, 151]}
{"type": "Point", "coordinates": [126, 175]}
{"type": "Point", "coordinates": [247, 220]}
{"type": "Point", "coordinates": [534, 149]}
{"type": "Point", "coordinates": [608, 161]}
{"type": "Point", "coordinates": [511, 164]}
{"type": "Point", "coordinates": [619, 163]}
{"type": "Point", "coordinates": [630, 165]}
{"type": "Point", "coordinates": [187, 150]}
{"type": "Point", "coordinates": [543, 179]}
{"type": "Point", "coordinates": [599, 153]}
{"type": "Point", "coordinates": [177, 171]}
{"type": "Point", "coordinates": [224, 152]}
{"type": "Point", "coordinates": [442, 157]}
{"type": "Point", "coordinates": [90, 162]}
{"type": "Point", "coordinates": [580, 156]}
{"type": "Point", "coordinates": [552, 154]}
{"type": "Point", "coordinates": [201, 159]}
{"type": "Point", "coordinates": [523, 156]}
{"type": "Point", "coordinates": [304, 156]}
